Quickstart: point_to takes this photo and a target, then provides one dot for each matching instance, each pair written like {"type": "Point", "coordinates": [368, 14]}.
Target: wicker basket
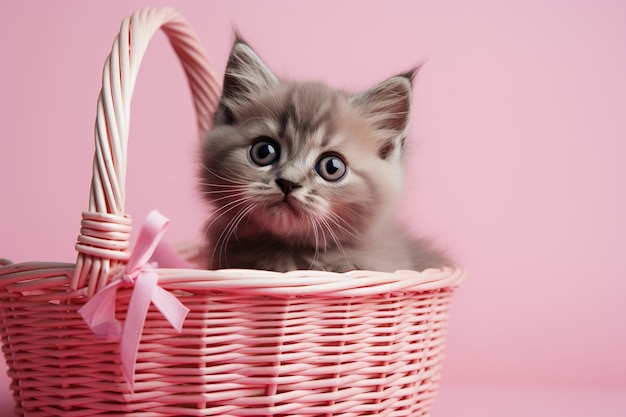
{"type": "Point", "coordinates": [252, 343]}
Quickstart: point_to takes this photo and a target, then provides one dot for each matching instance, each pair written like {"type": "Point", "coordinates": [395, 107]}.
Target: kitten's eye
{"type": "Point", "coordinates": [331, 168]}
{"type": "Point", "coordinates": [265, 151]}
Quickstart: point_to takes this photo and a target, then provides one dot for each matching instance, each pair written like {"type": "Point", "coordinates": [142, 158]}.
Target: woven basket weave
{"type": "Point", "coordinates": [255, 343]}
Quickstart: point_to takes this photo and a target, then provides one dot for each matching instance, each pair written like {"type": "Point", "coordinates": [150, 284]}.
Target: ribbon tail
{"type": "Point", "coordinates": [135, 320]}
{"type": "Point", "coordinates": [171, 308]}
{"type": "Point", "coordinates": [99, 312]}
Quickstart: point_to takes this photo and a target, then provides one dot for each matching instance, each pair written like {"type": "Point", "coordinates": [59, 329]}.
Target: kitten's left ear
{"type": "Point", "coordinates": [388, 105]}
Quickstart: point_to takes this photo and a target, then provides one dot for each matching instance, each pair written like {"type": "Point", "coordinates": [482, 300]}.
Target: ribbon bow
{"type": "Point", "coordinates": [99, 311]}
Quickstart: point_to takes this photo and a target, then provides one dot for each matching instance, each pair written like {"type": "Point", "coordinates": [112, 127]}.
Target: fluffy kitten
{"type": "Point", "coordinates": [303, 176]}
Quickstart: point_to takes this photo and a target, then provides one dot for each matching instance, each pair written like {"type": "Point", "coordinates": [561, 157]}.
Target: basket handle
{"type": "Point", "coordinates": [105, 228]}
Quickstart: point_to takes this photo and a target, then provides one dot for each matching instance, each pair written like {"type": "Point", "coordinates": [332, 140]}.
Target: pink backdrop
{"type": "Point", "coordinates": [518, 162]}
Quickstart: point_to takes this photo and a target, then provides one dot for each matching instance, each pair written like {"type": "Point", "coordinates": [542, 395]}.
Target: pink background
{"type": "Point", "coordinates": [518, 162]}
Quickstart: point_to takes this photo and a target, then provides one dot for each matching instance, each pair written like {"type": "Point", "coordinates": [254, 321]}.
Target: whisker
{"type": "Point", "coordinates": [336, 219]}
{"type": "Point", "coordinates": [226, 208]}
{"type": "Point", "coordinates": [229, 186]}
{"type": "Point", "coordinates": [334, 237]}
{"type": "Point", "coordinates": [228, 231]}
{"type": "Point", "coordinates": [316, 253]}
{"type": "Point", "coordinates": [226, 197]}
{"type": "Point", "coordinates": [235, 177]}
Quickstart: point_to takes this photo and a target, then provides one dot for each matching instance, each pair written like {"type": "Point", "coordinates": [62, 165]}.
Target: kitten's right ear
{"type": "Point", "coordinates": [246, 73]}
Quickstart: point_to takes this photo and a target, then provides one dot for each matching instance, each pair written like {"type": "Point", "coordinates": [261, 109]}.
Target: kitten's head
{"type": "Point", "coordinates": [302, 162]}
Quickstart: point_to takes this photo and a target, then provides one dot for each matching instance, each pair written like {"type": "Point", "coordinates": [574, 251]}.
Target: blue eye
{"type": "Point", "coordinates": [331, 167]}
{"type": "Point", "coordinates": [265, 151]}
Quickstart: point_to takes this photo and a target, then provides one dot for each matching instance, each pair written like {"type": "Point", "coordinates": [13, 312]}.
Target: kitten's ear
{"type": "Point", "coordinates": [246, 73]}
{"type": "Point", "coordinates": [388, 105]}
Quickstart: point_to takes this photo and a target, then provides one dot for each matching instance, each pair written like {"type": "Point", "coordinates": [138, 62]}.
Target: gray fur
{"type": "Point", "coordinates": [318, 224]}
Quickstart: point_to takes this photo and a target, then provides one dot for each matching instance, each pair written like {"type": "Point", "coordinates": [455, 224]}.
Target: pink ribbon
{"type": "Point", "coordinates": [99, 311]}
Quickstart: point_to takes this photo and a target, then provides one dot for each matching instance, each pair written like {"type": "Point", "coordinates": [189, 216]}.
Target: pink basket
{"type": "Point", "coordinates": [254, 343]}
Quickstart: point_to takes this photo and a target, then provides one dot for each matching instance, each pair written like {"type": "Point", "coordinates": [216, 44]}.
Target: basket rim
{"type": "Point", "coordinates": [28, 275]}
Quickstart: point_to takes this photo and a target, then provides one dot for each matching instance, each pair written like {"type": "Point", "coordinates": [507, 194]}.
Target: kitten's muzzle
{"type": "Point", "coordinates": [287, 186]}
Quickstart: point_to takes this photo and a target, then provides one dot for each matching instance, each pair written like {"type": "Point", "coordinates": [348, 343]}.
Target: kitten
{"type": "Point", "coordinates": [303, 176]}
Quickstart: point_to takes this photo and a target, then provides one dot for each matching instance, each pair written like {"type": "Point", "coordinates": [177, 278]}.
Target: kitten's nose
{"type": "Point", "coordinates": [287, 186]}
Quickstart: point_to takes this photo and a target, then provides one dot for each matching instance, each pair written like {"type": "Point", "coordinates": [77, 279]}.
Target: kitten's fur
{"type": "Point", "coordinates": [284, 215]}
